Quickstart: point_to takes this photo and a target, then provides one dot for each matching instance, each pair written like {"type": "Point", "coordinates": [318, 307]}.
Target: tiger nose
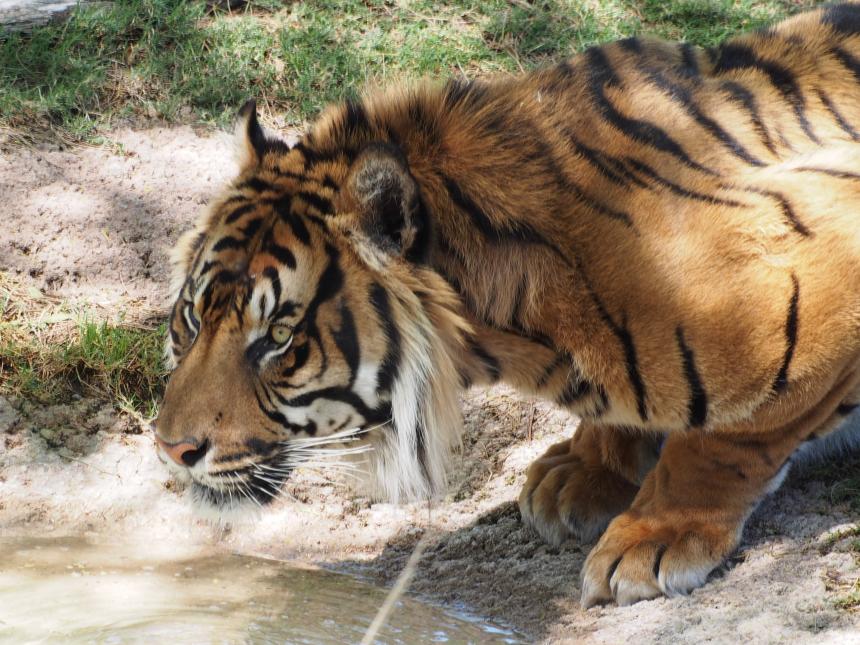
{"type": "Point", "coordinates": [184, 453]}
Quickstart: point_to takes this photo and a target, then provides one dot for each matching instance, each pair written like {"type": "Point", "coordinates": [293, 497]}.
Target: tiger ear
{"type": "Point", "coordinates": [252, 141]}
{"type": "Point", "coordinates": [387, 201]}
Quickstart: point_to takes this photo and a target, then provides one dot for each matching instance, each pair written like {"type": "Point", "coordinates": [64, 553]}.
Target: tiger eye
{"type": "Point", "coordinates": [281, 334]}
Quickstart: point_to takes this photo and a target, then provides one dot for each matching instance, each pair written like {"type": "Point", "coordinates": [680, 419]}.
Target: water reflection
{"type": "Point", "coordinates": [73, 591]}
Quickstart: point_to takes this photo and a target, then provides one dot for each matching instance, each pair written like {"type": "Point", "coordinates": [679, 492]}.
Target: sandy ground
{"type": "Point", "coordinates": [94, 225]}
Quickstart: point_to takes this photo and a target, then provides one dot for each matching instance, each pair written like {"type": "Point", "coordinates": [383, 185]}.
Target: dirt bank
{"type": "Point", "coordinates": [95, 224]}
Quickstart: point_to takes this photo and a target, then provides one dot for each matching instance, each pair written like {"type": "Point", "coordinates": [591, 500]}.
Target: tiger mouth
{"type": "Point", "coordinates": [239, 488]}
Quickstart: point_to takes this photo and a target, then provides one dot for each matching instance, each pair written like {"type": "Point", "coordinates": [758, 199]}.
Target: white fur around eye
{"type": "Point", "coordinates": [281, 334]}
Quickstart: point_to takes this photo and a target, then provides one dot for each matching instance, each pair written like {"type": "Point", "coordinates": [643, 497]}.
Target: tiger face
{"type": "Point", "coordinates": [287, 333]}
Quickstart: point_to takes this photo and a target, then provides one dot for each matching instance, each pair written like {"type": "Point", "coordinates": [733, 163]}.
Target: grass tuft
{"type": "Point", "coordinates": [50, 352]}
{"type": "Point", "coordinates": [182, 60]}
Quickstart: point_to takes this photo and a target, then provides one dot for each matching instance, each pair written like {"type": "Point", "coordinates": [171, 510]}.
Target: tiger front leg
{"type": "Point", "coordinates": [579, 485]}
{"type": "Point", "coordinates": [686, 519]}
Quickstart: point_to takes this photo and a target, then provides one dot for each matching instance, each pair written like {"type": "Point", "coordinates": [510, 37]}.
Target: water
{"type": "Point", "coordinates": [74, 591]}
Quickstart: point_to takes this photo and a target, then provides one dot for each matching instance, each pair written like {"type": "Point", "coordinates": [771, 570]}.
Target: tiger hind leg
{"type": "Point", "coordinates": [579, 485]}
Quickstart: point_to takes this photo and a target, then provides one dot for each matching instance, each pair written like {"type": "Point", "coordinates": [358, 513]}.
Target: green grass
{"type": "Point", "coordinates": [179, 61]}
{"type": "Point", "coordinates": [49, 353]}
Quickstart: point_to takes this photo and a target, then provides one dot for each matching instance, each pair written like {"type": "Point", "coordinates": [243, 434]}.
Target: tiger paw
{"type": "Point", "coordinates": [641, 557]}
{"type": "Point", "coordinates": [570, 493]}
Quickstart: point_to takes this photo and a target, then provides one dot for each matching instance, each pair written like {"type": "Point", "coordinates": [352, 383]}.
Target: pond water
{"type": "Point", "coordinates": [71, 590]}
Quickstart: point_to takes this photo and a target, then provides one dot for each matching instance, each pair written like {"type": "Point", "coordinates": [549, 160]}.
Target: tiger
{"type": "Point", "coordinates": [661, 238]}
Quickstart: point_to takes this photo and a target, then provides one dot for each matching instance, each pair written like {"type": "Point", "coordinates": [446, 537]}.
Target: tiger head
{"type": "Point", "coordinates": [305, 326]}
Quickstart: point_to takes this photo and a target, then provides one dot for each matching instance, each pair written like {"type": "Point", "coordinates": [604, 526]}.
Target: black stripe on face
{"type": "Point", "coordinates": [743, 97]}
{"type": "Point", "coordinates": [320, 203]}
{"type": "Point", "coordinates": [346, 340]}
{"type": "Point", "coordinates": [837, 116]}
{"type": "Point", "coordinates": [600, 76]}
{"type": "Point", "coordinates": [228, 242]}
{"type": "Point", "coordinates": [271, 274]}
{"type": "Point", "coordinates": [294, 221]}
{"type": "Point", "coordinates": [781, 381]}
{"type": "Point", "coordinates": [251, 228]}
{"type": "Point", "coordinates": [282, 254]}
{"type": "Point", "coordinates": [256, 184]}
{"type": "Point", "coordinates": [239, 212]}
{"type": "Point", "coordinates": [682, 96]}
{"type": "Point", "coordinates": [390, 366]}
{"type": "Point", "coordinates": [740, 57]}
{"type": "Point", "coordinates": [698, 406]}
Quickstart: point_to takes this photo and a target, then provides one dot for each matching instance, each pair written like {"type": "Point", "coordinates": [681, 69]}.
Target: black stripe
{"type": "Point", "coordinates": [689, 64]}
{"type": "Point", "coordinates": [631, 45]}
{"type": "Point", "coordinates": [680, 190]}
{"type": "Point", "coordinates": [595, 159]}
{"type": "Point", "coordinates": [848, 61]}
{"type": "Point", "coordinates": [251, 228]}
{"type": "Point", "coordinates": [322, 204]}
{"type": "Point", "coordinates": [293, 220]}
{"type": "Point", "coordinates": [548, 371]}
{"type": "Point", "coordinates": [282, 254]}
{"type": "Point", "coordinates": [256, 184]}
{"type": "Point", "coordinates": [698, 406]}
{"type": "Point", "coordinates": [355, 122]}
{"type": "Point", "coordinates": [837, 116]}
{"type": "Point", "coordinates": [489, 362]}
{"type": "Point", "coordinates": [742, 96]}
{"type": "Point", "coordinates": [844, 19]}
{"type": "Point", "coordinates": [781, 381]}
{"type": "Point", "coordinates": [342, 395]}
{"type": "Point", "coordinates": [624, 337]}
{"type": "Point", "coordinates": [271, 273]}
{"type": "Point", "coordinates": [600, 76]}
{"type": "Point", "coordinates": [256, 350]}
{"type": "Point", "coordinates": [517, 232]}
{"type": "Point", "coordinates": [346, 340]}
{"type": "Point", "coordinates": [784, 205]}
{"type": "Point", "coordinates": [681, 95]}
{"type": "Point", "coordinates": [228, 242]}
{"type": "Point", "coordinates": [734, 56]}
{"type": "Point", "coordinates": [462, 92]}
{"type": "Point", "coordinates": [830, 172]}
{"type": "Point", "coordinates": [599, 208]}
{"type": "Point", "coordinates": [845, 409]}
{"type": "Point", "coordinates": [390, 366]}
{"type": "Point", "coordinates": [286, 309]}
{"type": "Point", "coordinates": [574, 389]}
{"type": "Point", "coordinates": [236, 214]}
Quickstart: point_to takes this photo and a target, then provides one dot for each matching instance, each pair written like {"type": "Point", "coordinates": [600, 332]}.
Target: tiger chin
{"type": "Point", "coordinates": [659, 238]}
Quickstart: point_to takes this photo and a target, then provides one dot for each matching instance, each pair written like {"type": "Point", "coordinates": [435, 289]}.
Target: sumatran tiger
{"type": "Point", "coordinates": [663, 239]}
